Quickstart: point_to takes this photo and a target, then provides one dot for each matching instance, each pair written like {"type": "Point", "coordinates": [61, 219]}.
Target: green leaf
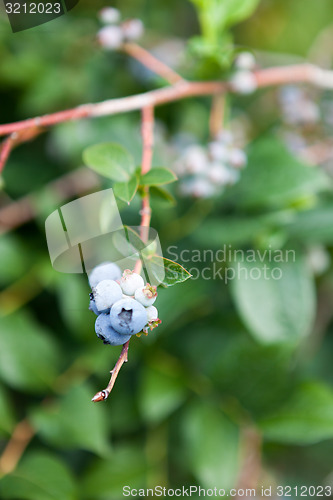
{"type": "Point", "coordinates": [125, 191]}
{"type": "Point", "coordinates": [111, 160]}
{"type": "Point", "coordinates": [313, 226]}
{"type": "Point", "coordinates": [40, 476]}
{"type": "Point", "coordinates": [157, 176]}
{"type": "Point", "coordinates": [216, 15]}
{"type": "Point", "coordinates": [29, 356]}
{"type": "Point", "coordinates": [162, 194]}
{"type": "Point", "coordinates": [173, 272]}
{"type": "Point", "coordinates": [73, 298]}
{"type": "Point", "coordinates": [162, 391]}
{"type": "Point", "coordinates": [14, 260]}
{"type": "Point", "coordinates": [305, 418]}
{"type": "Point", "coordinates": [216, 232]}
{"type": "Point", "coordinates": [212, 445]}
{"type": "Point", "coordinates": [74, 422]}
{"type": "Point", "coordinates": [273, 178]}
{"type": "Point", "coordinates": [7, 419]}
{"type": "Point", "coordinates": [276, 302]}
{"type": "Point", "coordinates": [106, 478]}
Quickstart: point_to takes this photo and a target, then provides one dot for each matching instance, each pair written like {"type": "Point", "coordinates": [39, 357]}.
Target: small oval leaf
{"type": "Point", "coordinates": [157, 176]}
{"type": "Point", "coordinates": [111, 160]}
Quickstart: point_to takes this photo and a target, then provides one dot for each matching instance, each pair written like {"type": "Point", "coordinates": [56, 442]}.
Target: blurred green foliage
{"type": "Point", "coordinates": [253, 354]}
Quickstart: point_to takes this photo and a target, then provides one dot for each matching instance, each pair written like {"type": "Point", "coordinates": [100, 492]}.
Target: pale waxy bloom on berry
{"type": "Point", "coordinates": [133, 29]}
{"type": "Point", "coordinates": [109, 15]}
{"type": "Point", "coordinates": [245, 61]}
{"type": "Point", "coordinates": [244, 82]}
{"type": "Point", "coordinates": [111, 37]}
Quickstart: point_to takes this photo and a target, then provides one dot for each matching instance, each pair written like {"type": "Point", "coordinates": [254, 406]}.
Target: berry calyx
{"type": "Point", "coordinates": [146, 295]}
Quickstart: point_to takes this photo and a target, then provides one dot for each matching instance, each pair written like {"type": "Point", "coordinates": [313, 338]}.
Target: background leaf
{"type": "Point", "coordinates": [305, 418]}
{"type": "Point", "coordinates": [161, 392]}
{"type": "Point", "coordinates": [7, 419]}
{"type": "Point", "coordinates": [110, 160]}
{"type": "Point", "coordinates": [106, 479]}
{"type": "Point", "coordinates": [19, 335]}
{"type": "Point", "coordinates": [40, 476]}
{"type": "Point", "coordinates": [74, 422]}
{"type": "Point", "coordinates": [274, 177]}
{"type": "Point", "coordinates": [275, 310]}
{"type": "Point", "coordinates": [211, 441]}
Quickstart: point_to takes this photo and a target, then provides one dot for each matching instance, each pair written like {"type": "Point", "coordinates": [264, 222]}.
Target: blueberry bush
{"type": "Point", "coordinates": [211, 120]}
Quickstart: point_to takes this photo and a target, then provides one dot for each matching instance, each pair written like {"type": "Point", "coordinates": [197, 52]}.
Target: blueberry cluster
{"type": "Point", "coordinates": [206, 171]}
{"type": "Point", "coordinates": [123, 303]}
{"type": "Point", "coordinates": [297, 107]}
{"type": "Point", "coordinates": [115, 33]}
{"type": "Point", "coordinates": [303, 121]}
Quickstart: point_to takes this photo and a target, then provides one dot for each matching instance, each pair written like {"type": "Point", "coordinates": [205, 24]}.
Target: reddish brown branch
{"type": "Point", "coordinates": [123, 358]}
{"type": "Point", "coordinates": [21, 437]}
{"type": "Point", "coordinates": [25, 209]}
{"type": "Point", "coordinates": [251, 442]}
{"type": "Point", "coordinates": [147, 131]}
{"type": "Point", "coordinates": [266, 77]}
{"type": "Point", "coordinates": [13, 140]}
{"type": "Point", "coordinates": [6, 148]}
{"type": "Point", "coordinates": [150, 62]}
{"type": "Point", "coordinates": [216, 114]}
{"type": "Point", "coordinates": [109, 107]}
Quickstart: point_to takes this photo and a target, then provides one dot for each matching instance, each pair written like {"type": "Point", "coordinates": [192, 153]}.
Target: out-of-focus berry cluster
{"type": "Point", "coordinates": [306, 125]}
{"type": "Point", "coordinates": [116, 32]}
{"type": "Point", "coordinates": [123, 304]}
{"type": "Point", "coordinates": [204, 172]}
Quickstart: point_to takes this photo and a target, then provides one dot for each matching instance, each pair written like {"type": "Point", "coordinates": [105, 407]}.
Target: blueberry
{"type": "Point", "coordinates": [104, 271]}
{"type": "Point", "coordinates": [128, 316]}
{"type": "Point", "coordinates": [130, 282]}
{"type": "Point", "coordinates": [146, 295]}
{"type": "Point", "coordinates": [105, 332]}
{"type": "Point", "coordinates": [111, 37]}
{"type": "Point", "coordinates": [152, 313]}
{"type": "Point", "coordinates": [106, 293]}
{"type": "Point", "coordinates": [92, 304]}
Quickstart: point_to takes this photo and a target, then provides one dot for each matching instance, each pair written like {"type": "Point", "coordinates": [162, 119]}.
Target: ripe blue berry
{"type": "Point", "coordinates": [105, 332]}
{"type": "Point", "coordinates": [130, 282]}
{"type": "Point", "coordinates": [128, 316]}
{"type": "Point", "coordinates": [92, 304]}
{"type": "Point", "coordinates": [106, 293]}
{"type": "Point", "coordinates": [104, 271]}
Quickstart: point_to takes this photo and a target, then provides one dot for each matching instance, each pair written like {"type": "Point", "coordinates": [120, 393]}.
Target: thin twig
{"type": "Point", "coordinates": [110, 107]}
{"type": "Point", "coordinates": [13, 140]}
{"type": "Point", "coordinates": [216, 114]}
{"type": "Point", "coordinates": [147, 131]}
{"type": "Point", "coordinates": [251, 466]}
{"type": "Point", "coordinates": [150, 62]}
{"type": "Point", "coordinates": [24, 210]}
{"type": "Point", "coordinates": [21, 437]}
{"type": "Point", "coordinates": [6, 148]}
{"type": "Point", "coordinates": [305, 73]}
{"type": "Point", "coordinates": [123, 358]}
